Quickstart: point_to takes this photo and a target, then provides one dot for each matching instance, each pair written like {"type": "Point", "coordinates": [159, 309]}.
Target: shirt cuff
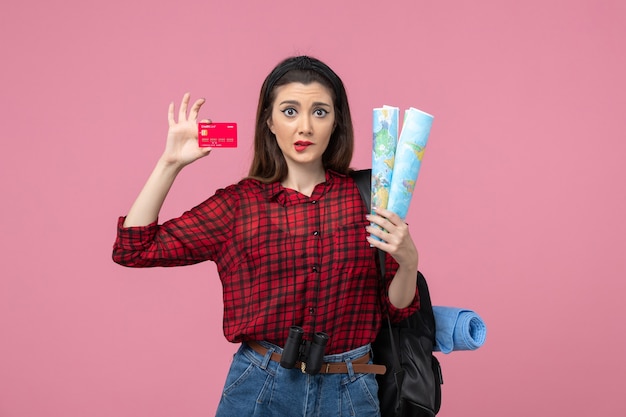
{"type": "Point", "coordinates": [398, 314]}
{"type": "Point", "coordinates": [135, 237]}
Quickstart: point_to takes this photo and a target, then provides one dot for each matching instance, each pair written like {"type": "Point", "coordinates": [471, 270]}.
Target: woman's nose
{"type": "Point", "coordinates": [305, 127]}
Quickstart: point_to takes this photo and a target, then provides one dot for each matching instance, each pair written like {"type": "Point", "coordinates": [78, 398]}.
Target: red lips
{"type": "Point", "coordinates": [301, 145]}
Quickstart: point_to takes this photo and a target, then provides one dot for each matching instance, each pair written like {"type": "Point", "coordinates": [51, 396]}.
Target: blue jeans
{"type": "Point", "coordinates": [257, 386]}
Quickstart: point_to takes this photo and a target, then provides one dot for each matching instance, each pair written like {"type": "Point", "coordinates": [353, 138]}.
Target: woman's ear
{"type": "Point", "coordinates": [270, 125]}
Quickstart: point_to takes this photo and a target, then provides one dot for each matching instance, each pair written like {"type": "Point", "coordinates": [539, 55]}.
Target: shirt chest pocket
{"type": "Point", "coordinates": [351, 251]}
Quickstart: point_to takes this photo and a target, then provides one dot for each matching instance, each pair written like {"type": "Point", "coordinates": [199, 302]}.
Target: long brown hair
{"type": "Point", "coordinates": [268, 164]}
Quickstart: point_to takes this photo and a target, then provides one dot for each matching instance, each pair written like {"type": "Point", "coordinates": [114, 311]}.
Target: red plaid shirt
{"type": "Point", "coordinates": [284, 259]}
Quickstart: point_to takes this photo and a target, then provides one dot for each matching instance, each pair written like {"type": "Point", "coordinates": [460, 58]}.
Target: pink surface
{"type": "Point", "coordinates": [519, 210]}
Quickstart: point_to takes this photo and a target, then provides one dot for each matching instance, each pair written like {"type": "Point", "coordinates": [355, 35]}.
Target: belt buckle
{"type": "Point", "coordinates": [303, 367]}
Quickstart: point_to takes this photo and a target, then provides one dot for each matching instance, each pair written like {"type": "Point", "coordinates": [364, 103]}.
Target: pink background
{"type": "Point", "coordinates": [519, 209]}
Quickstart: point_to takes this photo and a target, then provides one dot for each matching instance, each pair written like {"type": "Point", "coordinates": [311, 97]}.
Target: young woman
{"type": "Point", "coordinates": [293, 251]}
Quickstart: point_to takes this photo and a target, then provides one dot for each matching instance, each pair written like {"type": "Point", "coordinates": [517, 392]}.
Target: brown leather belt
{"type": "Point", "coordinates": [359, 365]}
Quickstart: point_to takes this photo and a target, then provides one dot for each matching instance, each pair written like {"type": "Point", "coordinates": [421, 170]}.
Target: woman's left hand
{"type": "Point", "coordinates": [395, 237]}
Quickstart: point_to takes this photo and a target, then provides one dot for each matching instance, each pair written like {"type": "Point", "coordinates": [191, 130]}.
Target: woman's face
{"type": "Point", "coordinates": [302, 119]}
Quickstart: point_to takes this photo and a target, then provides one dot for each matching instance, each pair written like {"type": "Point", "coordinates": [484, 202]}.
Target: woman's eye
{"type": "Point", "coordinates": [290, 112]}
{"type": "Point", "coordinates": [320, 112]}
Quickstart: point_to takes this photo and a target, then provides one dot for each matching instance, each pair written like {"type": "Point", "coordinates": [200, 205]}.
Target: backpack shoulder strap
{"type": "Point", "coordinates": [363, 179]}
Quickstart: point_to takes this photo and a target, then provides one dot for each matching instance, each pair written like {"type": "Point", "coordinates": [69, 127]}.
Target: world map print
{"type": "Point", "coordinates": [385, 132]}
{"type": "Point", "coordinates": [394, 190]}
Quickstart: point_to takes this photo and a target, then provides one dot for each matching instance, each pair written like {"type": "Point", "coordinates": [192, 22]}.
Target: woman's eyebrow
{"type": "Point", "coordinates": [294, 102]}
{"type": "Point", "coordinates": [297, 103]}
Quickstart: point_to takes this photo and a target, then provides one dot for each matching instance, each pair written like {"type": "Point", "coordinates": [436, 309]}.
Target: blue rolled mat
{"type": "Point", "coordinates": [458, 329]}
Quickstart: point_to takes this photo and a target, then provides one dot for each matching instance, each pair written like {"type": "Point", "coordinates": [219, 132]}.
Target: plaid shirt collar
{"type": "Point", "coordinates": [286, 197]}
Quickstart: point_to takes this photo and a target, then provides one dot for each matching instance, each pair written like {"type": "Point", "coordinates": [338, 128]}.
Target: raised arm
{"type": "Point", "coordinates": [181, 149]}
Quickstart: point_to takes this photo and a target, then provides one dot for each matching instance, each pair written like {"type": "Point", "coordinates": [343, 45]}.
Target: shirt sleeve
{"type": "Point", "coordinates": [397, 314]}
{"type": "Point", "coordinates": [196, 236]}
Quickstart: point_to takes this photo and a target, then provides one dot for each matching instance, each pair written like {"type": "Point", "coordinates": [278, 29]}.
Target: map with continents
{"type": "Point", "coordinates": [409, 154]}
{"type": "Point", "coordinates": [385, 135]}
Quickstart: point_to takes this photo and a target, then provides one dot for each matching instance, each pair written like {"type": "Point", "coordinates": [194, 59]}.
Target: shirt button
{"type": "Point", "coordinates": [316, 233]}
{"type": "Point", "coordinates": [314, 268]}
{"type": "Point", "coordinates": [311, 310]}
{"type": "Point", "coordinates": [314, 202]}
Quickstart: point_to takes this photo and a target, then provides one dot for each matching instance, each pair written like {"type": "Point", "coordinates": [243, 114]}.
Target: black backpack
{"type": "Point", "coordinates": [411, 387]}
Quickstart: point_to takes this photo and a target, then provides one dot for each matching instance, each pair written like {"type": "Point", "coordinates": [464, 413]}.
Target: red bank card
{"type": "Point", "coordinates": [217, 135]}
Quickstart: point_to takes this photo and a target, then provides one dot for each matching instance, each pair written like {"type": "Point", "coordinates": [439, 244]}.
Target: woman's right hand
{"type": "Point", "coordinates": [182, 147]}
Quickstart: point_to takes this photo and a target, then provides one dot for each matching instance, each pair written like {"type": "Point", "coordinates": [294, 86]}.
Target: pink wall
{"type": "Point", "coordinates": [519, 211]}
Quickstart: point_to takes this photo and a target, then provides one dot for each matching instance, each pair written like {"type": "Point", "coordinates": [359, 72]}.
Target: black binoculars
{"type": "Point", "coordinates": [309, 353]}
